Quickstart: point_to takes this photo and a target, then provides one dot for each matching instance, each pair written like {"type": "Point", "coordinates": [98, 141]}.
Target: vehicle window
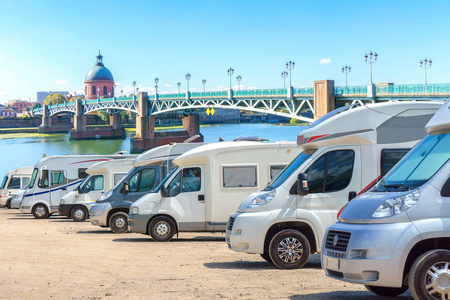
{"type": "Point", "coordinates": [316, 174]}
{"type": "Point", "coordinates": [244, 176]}
{"type": "Point", "coordinates": [389, 157]}
{"type": "Point", "coordinates": [14, 183]}
{"type": "Point", "coordinates": [275, 171]}
{"type": "Point", "coordinates": [339, 170]}
{"type": "Point", "coordinates": [97, 183]}
{"type": "Point", "coordinates": [191, 180]}
{"type": "Point", "coordinates": [5, 179]}
{"type": "Point", "coordinates": [82, 173]}
{"type": "Point", "coordinates": [118, 177]}
{"type": "Point", "coordinates": [175, 185]}
{"type": "Point", "coordinates": [57, 178]}
{"type": "Point", "coordinates": [134, 182]}
{"type": "Point", "coordinates": [87, 185]}
{"type": "Point", "coordinates": [43, 181]}
{"type": "Point", "coordinates": [33, 177]}
{"type": "Point", "coordinates": [147, 179]}
{"type": "Point", "coordinates": [445, 192]}
{"type": "Point", "coordinates": [25, 181]}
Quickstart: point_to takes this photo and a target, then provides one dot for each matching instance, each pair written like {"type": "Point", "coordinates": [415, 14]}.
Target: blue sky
{"type": "Point", "coordinates": [51, 45]}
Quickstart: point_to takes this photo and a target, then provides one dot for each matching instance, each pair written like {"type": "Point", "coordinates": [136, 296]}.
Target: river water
{"type": "Point", "coordinates": [26, 151]}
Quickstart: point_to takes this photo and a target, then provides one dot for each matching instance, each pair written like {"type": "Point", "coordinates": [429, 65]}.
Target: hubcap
{"type": "Point", "coordinates": [79, 214]}
{"type": "Point", "coordinates": [290, 250]}
{"type": "Point", "coordinates": [162, 229]}
{"type": "Point", "coordinates": [120, 222]}
{"type": "Point", "coordinates": [40, 211]}
{"type": "Point", "coordinates": [437, 280]}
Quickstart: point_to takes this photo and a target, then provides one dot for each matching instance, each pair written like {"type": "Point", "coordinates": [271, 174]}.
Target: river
{"type": "Point", "coordinates": [18, 152]}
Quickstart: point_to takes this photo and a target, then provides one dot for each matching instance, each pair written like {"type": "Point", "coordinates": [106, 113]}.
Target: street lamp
{"type": "Point", "coordinates": [156, 85]}
{"type": "Point", "coordinates": [284, 74]}
{"type": "Point", "coordinates": [425, 64]}
{"type": "Point", "coordinates": [121, 93]}
{"type": "Point", "coordinates": [188, 76]}
{"type": "Point", "coordinates": [98, 93]}
{"type": "Point", "coordinates": [137, 90]}
{"type": "Point", "coordinates": [204, 84]}
{"type": "Point", "coordinates": [230, 73]}
{"type": "Point", "coordinates": [370, 59]}
{"type": "Point", "coordinates": [289, 66]}
{"type": "Point", "coordinates": [134, 88]}
{"type": "Point", "coordinates": [346, 70]}
{"type": "Point", "coordinates": [239, 78]}
{"type": "Point", "coordinates": [179, 85]}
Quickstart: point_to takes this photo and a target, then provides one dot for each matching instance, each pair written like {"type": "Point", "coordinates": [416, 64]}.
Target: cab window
{"type": "Point", "coordinates": [43, 181]}
{"type": "Point", "coordinates": [191, 180]}
{"type": "Point", "coordinates": [57, 178]}
{"type": "Point", "coordinates": [143, 180]}
{"type": "Point", "coordinates": [5, 179]}
{"type": "Point", "coordinates": [445, 192]}
{"type": "Point", "coordinates": [175, 185]}
{"type": "Point", "coordinates": [95, 183]}
{"type": "Point", "coordinates": [14, 183]}
{"type": "Point", "coordinates": [25, 181]}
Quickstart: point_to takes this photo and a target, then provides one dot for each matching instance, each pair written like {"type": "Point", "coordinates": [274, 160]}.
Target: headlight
{"type": "Point", "coordinates": [395, 206]}
{"type": "Point", "coordinates": [262, 198]}
{"type": "Point", "coordinates": [134, 210]}
{"type": "Point", "coordinates": [62, 202]}
{"type": "Point", "coordinates": [105, 196]}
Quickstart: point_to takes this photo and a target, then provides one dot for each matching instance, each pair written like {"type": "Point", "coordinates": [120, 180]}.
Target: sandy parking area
{"type": "Point", "coordinates": [60, 259]}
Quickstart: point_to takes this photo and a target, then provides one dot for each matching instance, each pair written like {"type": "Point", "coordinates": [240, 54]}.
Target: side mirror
{"type": "Point", "coordinates": [164, 191]}
{"type": "Point", "coordinates": [352, 195]}
{"type": "Point", "coordinates": [302, 184]}
{"type": "Point", "coordinates": [79, 190]}
{"type": "Point", "coordinates": [125, 188]}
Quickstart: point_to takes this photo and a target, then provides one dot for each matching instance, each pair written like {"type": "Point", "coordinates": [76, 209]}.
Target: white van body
{"type": "Point", "coordinates": [103, 176]}
{"type": "Point", "coordinates": [344, 153]}
{"type": "Point", "coordinates": [14, 181]}
{"type": "Point", "coordinates": [53, 177]}
{"type": "Point", "coordinates": [397, 236]}
{"type": "Point", "coordinates": [207, 186]}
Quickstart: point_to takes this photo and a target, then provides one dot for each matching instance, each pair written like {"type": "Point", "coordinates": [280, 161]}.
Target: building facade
{"type": "Point", "coordinates": [21, 105]}
{"type": "Point", "coordinates": [99, 82]}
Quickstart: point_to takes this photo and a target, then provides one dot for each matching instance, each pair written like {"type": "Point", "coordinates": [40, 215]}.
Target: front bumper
{"type": "Point", "coordinates": [98, 214]}
{"type": "Point", "coordinates": [4, 200]}
{"type": "Point", "coordinates": [64, 209]}
{"type": "Point", "coordinates": [138, 223]}
{"type": "Point", "coordinates": [15, 203]}
{"type": "Point", "coordinates": [375, 253]}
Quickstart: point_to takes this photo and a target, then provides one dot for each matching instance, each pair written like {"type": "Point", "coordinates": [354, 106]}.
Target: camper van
{"type": "Point", "coordinates": [13, 181]}
{"type": "Point", "coordinates": [397, 236]}
{"type": "Point", "coordinates": [52, 178]}
{"type": "Point", "coordinates": [102, 177]}
{"type": "Point", "coordinates": [207, 186]}
{"type": "Point", "coordinates": [149, 168]}
{"type": "Point", "coordinates": [344, 154]}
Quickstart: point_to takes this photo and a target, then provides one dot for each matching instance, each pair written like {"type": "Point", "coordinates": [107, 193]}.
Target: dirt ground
{"type": "Point", "coordinates": [60, 259]}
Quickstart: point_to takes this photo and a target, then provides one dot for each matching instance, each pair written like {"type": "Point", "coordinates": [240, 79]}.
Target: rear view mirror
{"type": "Point", "coordinates": [164, 191]}
{"type": "Point", "coordinates": [302, 184]}
{"type": "Point", "coordinates": [125, 188]}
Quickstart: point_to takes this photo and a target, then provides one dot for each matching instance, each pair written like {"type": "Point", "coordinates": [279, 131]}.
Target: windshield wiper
{"type": "Point", "coordinates": [397, 186]}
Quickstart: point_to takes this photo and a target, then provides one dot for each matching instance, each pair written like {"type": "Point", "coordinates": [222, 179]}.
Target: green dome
{"type": "Point", "coordinates": [99, 71]}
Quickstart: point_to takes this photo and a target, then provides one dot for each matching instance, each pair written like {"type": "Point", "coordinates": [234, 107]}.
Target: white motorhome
{"type": "Point", "coordinates": [52, 178]}
{"type": "Point", "coordinates": [103, 176]}
{"type": "Point", "coordinates": [344, 153]}
{"type": "Point", "coordinates": [207, 186]}
{"type": "Point", "coordinates": [14, 181]}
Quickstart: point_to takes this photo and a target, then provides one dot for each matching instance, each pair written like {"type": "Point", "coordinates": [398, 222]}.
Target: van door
{"type": "Point", "coordinates": [93, 188]}
{"type": "Point", "coordinates": [186, 200]}
{"type": "Point", "coordinates": [331, 178]}
{"type": "Point", "coordinates": [58, 187]}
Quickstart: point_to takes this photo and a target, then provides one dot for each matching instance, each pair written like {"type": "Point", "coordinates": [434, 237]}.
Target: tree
{"type": "Point", "coordinates": [53, 99]}
{"type": "Point", "coordinates": [103, 115]}
{"type": "Point", "coordinates": [124, 115]}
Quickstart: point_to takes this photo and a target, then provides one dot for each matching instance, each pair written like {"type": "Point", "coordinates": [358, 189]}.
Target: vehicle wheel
{"type": "Point", "coordinates": [79, 214]}
{"type": "Point", "coordinates": [40, 211]}
{"type": "Point", "coordinates": [119, 222]}
{"type": "Point", "coordinates": [161, 229]}
{"type": "Point", "coordinates": [289, 249]}
{"type": "Point", "coordinates": [8, 204]}
{"type": "Point", "coordinates": [266, 257]}
{"type": "Point", "coordinates": [429, 277]}
{"type": "Point", "coordinates": [387, 291]}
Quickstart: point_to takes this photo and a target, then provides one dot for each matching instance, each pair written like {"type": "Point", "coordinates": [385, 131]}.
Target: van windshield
{"type": "Point", "coordinates": [286, 173]}
{"type": "Point", "coordinates": [418, 166]}
{"type": "Point", "coordinates": [33, 178]}
{"type": "Point", "coordinates": [5, 179]}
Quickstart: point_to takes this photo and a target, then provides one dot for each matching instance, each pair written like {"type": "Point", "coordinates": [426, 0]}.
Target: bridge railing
{"type": "Point", "coordinates": [350, 90]}
{"type": "Point", "coordinates": [436, 88]}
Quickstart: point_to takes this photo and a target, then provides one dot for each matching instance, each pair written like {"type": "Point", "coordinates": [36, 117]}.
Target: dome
{"type": "Point", "coordinates": [99, 73]}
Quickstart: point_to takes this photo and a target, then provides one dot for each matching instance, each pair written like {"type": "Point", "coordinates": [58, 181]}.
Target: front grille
{"type": "Point", "coordinates": [335, 254]}
{"type": "Point", "coordinates": [337, 240]}
{"type": "Point", "coordinates": [230, 223]}
{"type": "Point", "coordinates": [335, 273]}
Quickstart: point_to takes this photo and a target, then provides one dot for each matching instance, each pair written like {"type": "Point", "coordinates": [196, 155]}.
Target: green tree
{"type": "Point", "coordinates": [103, 115]}
{"type": "Point", "coordinates": [52, 99]}
{"type": "Point", "coordinates": [125, 116]}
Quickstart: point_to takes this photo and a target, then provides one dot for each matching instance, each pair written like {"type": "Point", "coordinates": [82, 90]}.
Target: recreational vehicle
{"type": "Point", "coordinates": [13, 181]}
{"type": "Point", "coordinates": [111, 208]}
{"type": "Point", "coordinates": [207, 186]}
{"type": "Point", "coordinates": [344, 154]}
{"type": "Point", "coordinates": [102, 177]}
{"type": "Point", "coordinates": [397, 236]}
{"type": "Point", "coordinates": [52, 178]}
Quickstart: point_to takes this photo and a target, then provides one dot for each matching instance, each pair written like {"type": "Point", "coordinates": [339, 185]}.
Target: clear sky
{"type": "Point", "coordinates": [51, 45]}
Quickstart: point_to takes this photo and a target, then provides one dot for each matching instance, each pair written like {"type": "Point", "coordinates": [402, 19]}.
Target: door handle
{"type": "Point", "coordinates": [201, 197]}
{"type": "Point", "coordinates": [352, 195]}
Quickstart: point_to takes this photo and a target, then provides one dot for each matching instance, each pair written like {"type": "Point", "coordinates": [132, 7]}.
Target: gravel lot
{"type": "Point", "coordinates": [60, 259]}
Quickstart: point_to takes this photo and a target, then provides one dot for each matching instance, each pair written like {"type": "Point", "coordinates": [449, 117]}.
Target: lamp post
{"type": "Point", "coordinates": [109, 94]}
{"type": "Point", "coordinates": [134, 89]}
{"type": "Point", "coordinates": [290, 66]}
{"type": "Point", "coordinates": [370, 59]}
{"type": "Point", "coordinates": [121, 93]}
{"type": "Point", "coordinates": [179, 85]}
{"type": "Point", "coordinates": [230, 73]}
{"type": "Point", "coordinates": [137, 90]}
{"type": "Point", "coordinates": [156, 86]}
{"type": "Point", "coordinates": [239, 78]}
{"type": "Point", "coordinates": [204, 85]}
{"type": "Point", "coordinates": [425, 64]}
{"type": "Point", "coordinates": [284, 74]}
{"type": "Point", "coordinates": [98, 93]}
{"type": "Point", "coordinates": [346, 70]}
{"type": "Point", "coordinates": [188, 76]}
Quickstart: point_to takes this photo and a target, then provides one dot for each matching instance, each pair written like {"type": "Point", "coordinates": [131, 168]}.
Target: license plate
{"type": "Point", "coordinates": [333, 263]}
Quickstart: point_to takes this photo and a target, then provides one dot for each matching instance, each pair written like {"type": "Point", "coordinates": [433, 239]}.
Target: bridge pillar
{"type": "Point", "coordinates": [191, 124]}
{"type": "Point", "coordinates": [46, 120]}
{"type": "Point", "coordinates": [79, 120]}
{"type": "Point", "coordinates": [115, 121]}
{"type": "Point", "coordinates": [323, 97]}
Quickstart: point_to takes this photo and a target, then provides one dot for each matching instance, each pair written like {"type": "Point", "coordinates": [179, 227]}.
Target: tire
{"type": "Point", "coordinates": [119, 222]}
{"type": "Point", "coordinates": [8, 204]}
{"type": "Point", "coordinates": [434, 262]}
{"type": "Point", "coordinates": [40, 211]}
{"type": "Point", "coordinates": [289, 249]}
{"type": "Point", "coordinates": [79, 214]}
{"type": "Point", "coordinates": [266, 257]}
{"type": "Point", "coordinates": [161, 229]}
{"type": "Point", "coordinates": [387, 291]}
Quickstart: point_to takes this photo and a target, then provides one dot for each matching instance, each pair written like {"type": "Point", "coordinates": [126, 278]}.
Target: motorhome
{"type": "Point", "coordinates": [13, 181]}
{"type": "Point", "coordinates": [52, 178]}
{"type": "Point", "coordinates": [397, 236]}
{"type": "Point", "coordinates": [102, 177]}
{"type": "Point", "coordinates": [111, 208]}
{"type": "Point", "coordinates": [344, 154]}
{"type": "Point", "coordinates": [207, 186]}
